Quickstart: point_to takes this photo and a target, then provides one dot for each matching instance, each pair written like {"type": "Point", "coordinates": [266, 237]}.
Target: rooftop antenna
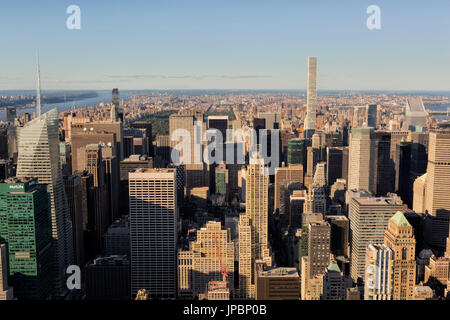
{"type": "Point", "coordinates": [38, 94]}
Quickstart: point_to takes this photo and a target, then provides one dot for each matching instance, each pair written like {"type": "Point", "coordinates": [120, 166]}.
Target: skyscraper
{"type": "Point", "coordinates": [371, 115]}
{"type": "Point", "coordinates": [296, 152]}
{"type": "Point", "coordinates": [72, 186]}
{"type": "Point", "coordinates": [6, 292]}
{"type": "Point", "coordinates": [399, 236]}
{"type": "Point", "coordinates": [207, 257]}
{"type": "Point", "coordinates": [379, 273]}
{"type": "Point", "coordinates": [277, 283]}
{"type": "Point", "coordinates": [318, 248]}
{"type": "Point", "coordinates": [385, 170]}
{"type": "Point", "coordinates": [25, 226]}
{"type": "Point", "coordinates": [257, 207]}
{"type": "Point", "coordinates": [293, 173]}
{"type": "Point", "coordinates": [437, 188]}
{"type": "Point", "coordinates": [310, 121]}
{"type": "Point", "coordinates": [362, 159]}
{"type": "Point", "coordinates": [153, 232]}
{"type": "Point", "coordinates": [369, 218]}
{"type": "Point", "coordinates": [246, 272]}
{"type": "Point", "coordinates": [334, 284]}
{"type": "Point", "coordinates": [39, 157]}
{"type": "Point", "coordinates": [415, 113]}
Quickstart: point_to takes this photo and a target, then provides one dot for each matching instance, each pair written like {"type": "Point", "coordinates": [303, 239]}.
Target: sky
{"type": "Point", "coordinates": [225, 44]}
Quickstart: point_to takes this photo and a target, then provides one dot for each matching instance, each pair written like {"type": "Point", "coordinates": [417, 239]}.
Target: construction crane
{"type": "Point", "coordinates": [224, 270]}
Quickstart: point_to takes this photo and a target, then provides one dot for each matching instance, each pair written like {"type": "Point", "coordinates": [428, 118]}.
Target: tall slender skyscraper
{"type": "Point", "coordinates": [153, 232]}
{"type": "Point", "coordinates": [257, 207]}
{"type": "Point", "coordinates": [246, 273]}
{"type": "Point", "coordinates": [310, 121]}
{"type": "Point", "coordinates": [38, 145]}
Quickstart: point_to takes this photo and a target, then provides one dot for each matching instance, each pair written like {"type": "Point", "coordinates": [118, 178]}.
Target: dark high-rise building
{"type": "Point", "coordinates": [148, 134]}
{"type": "Point", "coordinates": [4, 143]}
{"type": "Point", "coordinates": [163, 149]}
{"type": "Point", "coordinates": [285, 137]}
{"type": "Point", "coordinates": [6, 169]}
{"type": "Point", "coordinates": [116, 111]}
{"type": "Point", "coordinates": [25, 226]}
{"type": "Point", "coordinates": [419, 153]}
{"type": "Point", "coordinates": [334, 164]}
{"type": "Point", "coordinates": [108, 278]}
{"type": "Point", "coordinates": [112, 181]}
{"type": "Point", "coordinates": [117, 238]}
{"type": "Point", "coordinates": [128, 146]}
{"type": "Point", "coordinates": [94, 165]}
{"type": "Point", "coordinates": [88, 212]}
{"type": "Point", "coordinates": [296, 152]}
{"type": "Point", "coordinates": [405, 185]}
{"type": "Point", "coordinates": [385, 171]}
{"type": "Point", "coordinates": [340, 232]}
{"type": "Point", "coordinates": [396, 138]}
{"type": "Point", "coordinates": [11, 114]}
{"type": "Point", "coordinates": [72, 185]}
{"type": "Point", "coordinates": [220, 123]}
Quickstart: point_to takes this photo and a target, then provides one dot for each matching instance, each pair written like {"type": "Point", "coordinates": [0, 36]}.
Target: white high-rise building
{"type": "Point", "coordinates": [310, 121]}
{"type": "Point", "coordinates": [369, 217]}
{"type": "Point", "coordinates": [153, 232]}
{"type": "Point", "coordinates": [379, 273]}
{"type": "Point", "coordinates": [38, 145]}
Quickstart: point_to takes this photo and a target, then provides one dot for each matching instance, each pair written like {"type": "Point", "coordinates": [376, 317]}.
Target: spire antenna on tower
{"type": "Point", "coordinates": [38, 93]}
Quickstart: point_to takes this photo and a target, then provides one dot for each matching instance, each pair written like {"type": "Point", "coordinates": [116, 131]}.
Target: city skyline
{"type": "Point", "coordinates": [152, 170]}
{"type": "Point", "coordinates": [188, 47]}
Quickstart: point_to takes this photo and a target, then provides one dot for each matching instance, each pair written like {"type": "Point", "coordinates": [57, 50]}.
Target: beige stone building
{"type": "Point", "coordinates": [277, 283]}
{"type": "Point", "coordinates": [207, 257]}
{"type": "Point", "coordinates": [246, 286]}
{"type": "Point", "coordinates": [399, 236]}
{"type": "Point", "coordinates": [292, 173]}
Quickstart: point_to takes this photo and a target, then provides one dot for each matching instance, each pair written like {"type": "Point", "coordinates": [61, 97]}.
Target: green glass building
{"type": "Point", "coordinates": [296, 152]}
{"type": "Point", "coordinates": [25, 226]}
{"type": "Point", "coordinates": [221, 182]}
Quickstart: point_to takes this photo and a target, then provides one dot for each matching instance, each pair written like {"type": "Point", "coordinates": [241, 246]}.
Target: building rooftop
{"type": "Point", "coordinates": [278, 272]}
{"type": "Point", "coordinates": [333, 267]}
{"type": "Point", "coordinates": [400, 220]}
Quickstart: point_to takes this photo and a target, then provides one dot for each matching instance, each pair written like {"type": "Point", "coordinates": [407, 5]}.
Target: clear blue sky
{"type": "Point", "coordinates": [225, 44]}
